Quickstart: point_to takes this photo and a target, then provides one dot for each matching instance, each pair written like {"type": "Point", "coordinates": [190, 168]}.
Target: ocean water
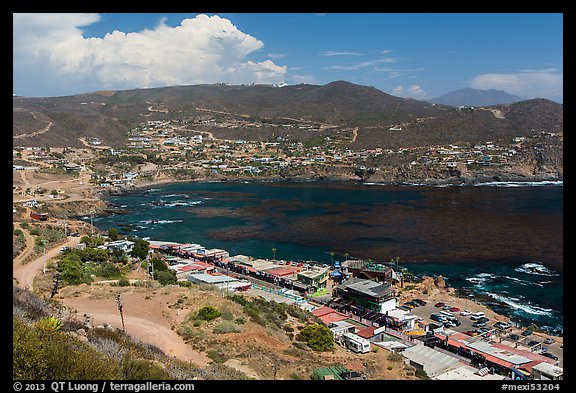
{"type": "Point", "coordinates": [500, 242]}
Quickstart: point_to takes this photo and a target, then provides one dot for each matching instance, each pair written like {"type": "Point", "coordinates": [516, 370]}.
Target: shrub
{"type": "Point", "coordinates": [167, 277]}
{"type": "Point", "coordinates": [123, 282]}
{"type": "Point", "coordinates": [395, 357]}
{"type": "Point", "coordinates": [107, 270]}
{"type": "Point", "coordinates": [240, 320]}
{"type": "Point", "coordinates": [208, 313]}
{"type": "Point", "coordinates": [318, 337]}
{"type": "Point", "coordinates": [227, 327]}
{"type": "Point", "coordinates": [197, 322]}
{"type": "Point", "coordinates": [141, 369]}
{"type": "Point", "coordinates": [239, 299]}
{"type": "Point", "coordinates": [216, 356]}
{"type": "Point", "coordinates": [49, 323]}
{"type": "Point", "coordinates": [421, 374]}
{"type": "Point", "coordinates": [54, 355]}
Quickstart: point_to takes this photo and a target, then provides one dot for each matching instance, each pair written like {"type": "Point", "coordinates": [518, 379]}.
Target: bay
{"type": "Point", "coordinates": [503, 243]}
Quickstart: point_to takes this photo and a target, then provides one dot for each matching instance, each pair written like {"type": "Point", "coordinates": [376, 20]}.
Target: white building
{"type": "Point", "coordinates": [547, 371]}
{"type": "Point", "coordinates": [124, 245]}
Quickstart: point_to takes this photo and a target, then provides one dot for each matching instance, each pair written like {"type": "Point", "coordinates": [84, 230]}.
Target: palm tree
{"type": "Point", "coordinates": [346, 255]}
{"type": "Point", "coordinates": [332, 256]}
{"type": "Point", "coordinates": [274, 253]}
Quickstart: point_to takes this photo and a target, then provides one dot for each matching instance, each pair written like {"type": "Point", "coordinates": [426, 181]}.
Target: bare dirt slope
{"type": "Point", "coordinates": [146, 318]}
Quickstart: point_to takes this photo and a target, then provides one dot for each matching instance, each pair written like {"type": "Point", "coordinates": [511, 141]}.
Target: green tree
{"type": "Point", "coordinates": [92, 241]}
{"type": "Point", "coordinates": [113, 234]}
{"type": "Point", "coordinates": [166, 277]}
{"type": "Point", "coordinates": [318, 337]}
{"type": "Point", "coordinates": [140, 249]}
{"type": "Point", "coordinates": [158, 265]}
{"type": "Point", "coordinates": [73, 271]}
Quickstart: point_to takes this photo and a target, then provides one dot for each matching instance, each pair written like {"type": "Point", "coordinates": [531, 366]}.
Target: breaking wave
{"type": "Point", "coordinates": [521, 183]}
{"type": "Point", "coordinates": [537, 269]}
{"type": "Point", "coordinates": [518, 304]}
{"type": "Point", "coordinates": [481, 278]}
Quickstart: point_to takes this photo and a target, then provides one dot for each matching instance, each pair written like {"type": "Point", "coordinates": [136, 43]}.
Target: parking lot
{"type": "Point", "coordinates": [521, 343]}
{"type": "Point", "coordinates": [425, 311]}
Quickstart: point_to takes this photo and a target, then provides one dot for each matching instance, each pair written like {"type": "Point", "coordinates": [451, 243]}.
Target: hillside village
{"type": "Point", "coordinates": [171, 149]}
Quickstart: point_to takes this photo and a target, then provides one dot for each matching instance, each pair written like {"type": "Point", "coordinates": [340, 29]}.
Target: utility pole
{"type": "Point", "coordinates": [91, 223]}
{"type": "Point", "coordinates": [119, 304]}
{"type": "Point", "coordinates": [44, 244]}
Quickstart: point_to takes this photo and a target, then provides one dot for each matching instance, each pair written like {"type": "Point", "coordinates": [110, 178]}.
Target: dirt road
{"type": "Point", "coordinates": [25, 273]}
{"type": "Point", "coordinates": [146, 318]}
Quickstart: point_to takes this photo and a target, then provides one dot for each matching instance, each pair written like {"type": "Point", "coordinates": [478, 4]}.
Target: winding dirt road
{"type": "Point", "coordinates": [143, 320]}
{"type": "Point", "coordinates": [147, 318]}
{"type": "Point", "coordinates": [24, 273]}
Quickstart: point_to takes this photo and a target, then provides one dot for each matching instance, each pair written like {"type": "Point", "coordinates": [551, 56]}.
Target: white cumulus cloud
{"type": "Point", "coordinates": [51, 53]}
{"type": "Point", "coordinates": [528, 83]}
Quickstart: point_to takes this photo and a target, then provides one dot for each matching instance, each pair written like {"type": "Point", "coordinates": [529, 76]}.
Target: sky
{"type": "Point", "coordinates": [410, 55]}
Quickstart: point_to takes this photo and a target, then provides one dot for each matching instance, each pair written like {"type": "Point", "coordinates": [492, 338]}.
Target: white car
{"type": "Point", "coordinates": [465, 313]}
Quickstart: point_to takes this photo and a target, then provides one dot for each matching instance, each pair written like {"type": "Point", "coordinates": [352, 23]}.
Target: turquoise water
{"type": "Point", "coordinates": [504, 243]}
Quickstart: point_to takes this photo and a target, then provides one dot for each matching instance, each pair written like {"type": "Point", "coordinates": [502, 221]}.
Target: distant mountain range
{"type": "Point", "coordinates": [476, 97]}
{"type": "Point", "coordinates": [339, 106]}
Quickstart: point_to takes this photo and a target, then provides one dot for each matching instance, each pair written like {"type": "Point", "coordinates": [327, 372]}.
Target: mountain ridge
{"type": "Point", "coordinates": [476, 97]}
{"type": "Point", "coordinates": [336, 106]}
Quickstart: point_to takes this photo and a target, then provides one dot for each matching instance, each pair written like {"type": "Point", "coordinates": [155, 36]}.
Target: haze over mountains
{"type": "Point", "coordinates": [109, 115]}
{"type": "Point", "coordinates": [476, 97]}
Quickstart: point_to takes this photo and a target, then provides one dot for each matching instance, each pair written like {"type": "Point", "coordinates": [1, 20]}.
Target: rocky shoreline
{"type": "Point", "coordinates": [370, 180]}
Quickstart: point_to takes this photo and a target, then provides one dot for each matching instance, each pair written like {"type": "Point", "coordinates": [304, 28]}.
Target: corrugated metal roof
{"type": "Point", "coordinates": [333, 371]}
{"type": "Point", "coordinates": [500, 353]}
{"type": "Point", "coordinates": [211, 278]}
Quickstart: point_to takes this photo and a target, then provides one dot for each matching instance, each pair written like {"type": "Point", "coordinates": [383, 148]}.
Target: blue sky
{"type": "Point", "coordinates": [420, 56]}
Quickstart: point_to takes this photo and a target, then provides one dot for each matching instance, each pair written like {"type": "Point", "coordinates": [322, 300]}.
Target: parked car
{"type": "Point", "coordinates": [439, 304]}
{"type": "Point", "coordinates": [420, 301]}
{"type": "Point", "coordinates": [437, 318]}
{"type": "Point", "coordinates": [526, 332]}
{"type": "Point", "coordinates": [477, 315]}
{"type": "Point", "coordinates": [479, 324]}
{"type": "Point", "coordinates": [446, 307]}
{"type": "Point", "coordinates": [471, 333]}
{"type": "Point", "coordinates": [454, 309]}
{"type": "Point", "coordinates": [482, 319]}
{"type": "Point", "coordinates": [514, 337]}
{"type": "Point", "coordinates": [465, 313]}
{"type": "Point", "coordinates": [501, 325]}
{"type": "Point", "coordinates": [404, 308]}
{"type": "Point", "coordinates": [449, 324]}
{"type": "Point", "coordinates": [550, 355]}
{"type": "Point", "coordinates": [549, 340]}
{"type": "Point", "coordinates": [531, 343]}
{"type": "Point", "coordinates": [409, 305]}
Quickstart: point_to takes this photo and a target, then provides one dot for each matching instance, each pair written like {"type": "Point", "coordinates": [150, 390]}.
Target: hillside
{"type": "Point", "coordinates": [60, 121]}
{"type": "Point", "coordinates": [476, 97]}
{"type": "Point", "coordinates": [162, 327]}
